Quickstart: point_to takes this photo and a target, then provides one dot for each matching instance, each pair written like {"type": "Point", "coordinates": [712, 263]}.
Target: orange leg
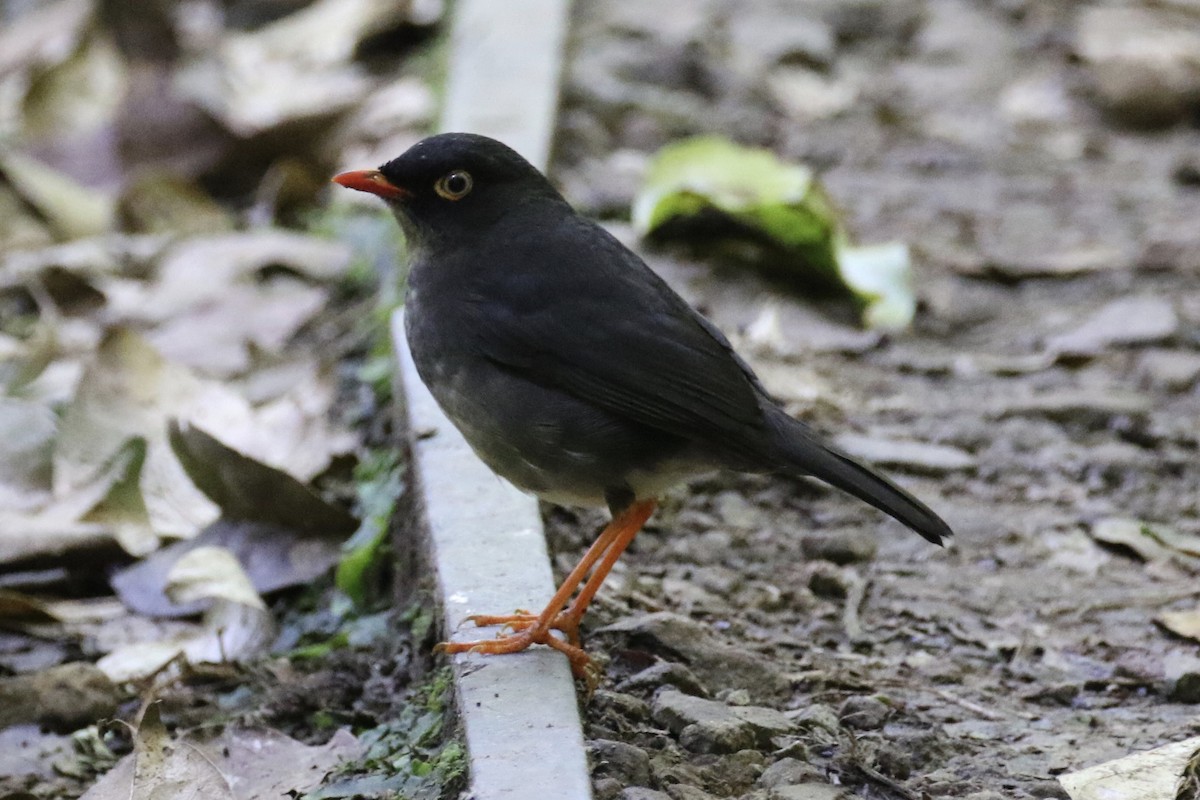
{"type": "Point", "coordinates": [529, 629]}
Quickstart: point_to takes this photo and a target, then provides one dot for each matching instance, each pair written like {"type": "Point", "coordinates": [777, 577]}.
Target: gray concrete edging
{"type": "Point", "coordinates": [486, 544]}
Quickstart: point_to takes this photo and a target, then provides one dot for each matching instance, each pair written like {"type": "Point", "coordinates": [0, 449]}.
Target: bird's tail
{"type": "Point", "coordinates": [805, 452]}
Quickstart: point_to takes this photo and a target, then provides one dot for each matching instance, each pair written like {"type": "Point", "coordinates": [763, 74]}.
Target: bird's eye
{"type": "Point", "coordinates": [454, 185]}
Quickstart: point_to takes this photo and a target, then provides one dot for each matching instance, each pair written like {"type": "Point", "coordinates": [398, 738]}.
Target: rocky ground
{"type": "Point", "coordinates": [767, 635]}
{"type": "Point", "coordinates": [764, 638]}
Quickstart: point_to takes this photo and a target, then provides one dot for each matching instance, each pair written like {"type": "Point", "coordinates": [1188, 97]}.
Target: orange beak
{"type": "Point", "coordinates": [372, 182]}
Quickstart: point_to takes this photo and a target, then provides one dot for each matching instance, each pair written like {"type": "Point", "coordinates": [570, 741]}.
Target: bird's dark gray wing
{"type": "Point", "coordinates": [604, 327]}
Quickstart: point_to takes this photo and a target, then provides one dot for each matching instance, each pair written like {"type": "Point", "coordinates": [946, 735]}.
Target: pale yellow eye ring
{"type": "Point", "coordinates": [454, 185]}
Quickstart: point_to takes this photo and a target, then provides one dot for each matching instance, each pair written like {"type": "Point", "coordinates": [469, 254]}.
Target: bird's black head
{"type": "Point", "coordinates": [454, 183]}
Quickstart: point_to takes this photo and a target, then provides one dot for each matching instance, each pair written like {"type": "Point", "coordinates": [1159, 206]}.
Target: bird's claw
{"type": "Point", "coordinates": [521, 620]}
{"type": "Point", "coordinates": [529, 633]}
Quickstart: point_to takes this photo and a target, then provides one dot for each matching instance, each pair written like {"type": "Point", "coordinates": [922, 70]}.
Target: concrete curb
{"type": "Point", "coordinates": [519, 712]}
{"type": "Point", "coordinates": [488, 550]}
{"type": "Point", "coordinates": [505, 63]}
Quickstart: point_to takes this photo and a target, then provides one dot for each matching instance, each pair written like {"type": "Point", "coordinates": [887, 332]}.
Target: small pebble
{"type": "Point", "coordinates": [681, 791]}
{"type": "Point", "coordinates": [817, 715]}
{"type": "Point", "coordinates": [1187, 172]}
{"type": "Point", "coordinates": [864, 713]}
{"type": "Point", "coordinates": [641, 793]}
{"type": "Point", "coordinates": [788, 771]}
{"type": "Point", "coordinates": [893, 761]}
{"type": "Point", "coordinates": [809, 791]}
{"type": "Point", "coordinates": [844, 547]}
{"type": "Point", "coordinates": [623, 762]}
{"type": "Point", "coordinates": [1186, 688]}
{"type": "Point", "coordinates": [827, 580]}
{"type": "Point", "coordinates": [665, 673]}
{"type": "Point", "coordinates": [606, 788]}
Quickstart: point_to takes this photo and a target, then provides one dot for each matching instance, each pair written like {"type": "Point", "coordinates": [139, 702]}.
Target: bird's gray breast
{"type": "Point", "coordinates": [563, 448]}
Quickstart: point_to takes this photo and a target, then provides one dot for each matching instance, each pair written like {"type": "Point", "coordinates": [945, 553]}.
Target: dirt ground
{"type": "Point", "coordinates": [1047, 390]}
{"type": "Point", "coordinates": [765, 638]}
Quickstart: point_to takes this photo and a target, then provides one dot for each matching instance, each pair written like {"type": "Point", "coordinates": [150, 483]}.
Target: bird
{"type": "Point", "coordinates": [574, 370]}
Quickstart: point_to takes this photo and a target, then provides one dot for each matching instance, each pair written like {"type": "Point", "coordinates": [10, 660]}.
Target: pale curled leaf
{"type": "Point", "coordinates": [161, 767]}
{"type": "Point", "coordinates": [241, 764]}
{"type": "Point", "coordinates": [27, 431]}
{"type": "Point", "coordinates": [881, 276]}
{"type": "Point", "coordinates": [198, 271]}
{"type": "Point", "coordinates": [1150, 542]}
{"type": "Point", "coordinates": [1185, 624]}
{"type": "Point", "coordinates": [274, 557]}
{"type": "Point", "coordinates": [1150, 775]}
{"type": "Point", "coordinates": [79, 96]}
{"type": "Point", "coordinates": [70, 209]}
{"type": "Point", "coordinates": [235, 627]}
{"type": "Point", "coordinates": [61, 524]}
{"type": "Point", "coordinates": [211, 573]}
{"type": "Point", "coordinates": [128, 391]}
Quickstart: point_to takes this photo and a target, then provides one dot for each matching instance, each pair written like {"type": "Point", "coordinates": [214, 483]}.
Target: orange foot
{"type": "Point", "coordinates": [566, 621]}
{"type": "Point", "coordinates": [527, 632]}
{"type": "Point", "coordinates": [529, 629]}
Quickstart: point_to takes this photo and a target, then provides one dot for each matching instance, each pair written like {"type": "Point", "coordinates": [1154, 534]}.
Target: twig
{"type": "Point", "coordinates": [975, 708]}
{"type": "Point", "coordinates": [875, 776]}
{"type": "Point", "coordinates": [1132, 600]}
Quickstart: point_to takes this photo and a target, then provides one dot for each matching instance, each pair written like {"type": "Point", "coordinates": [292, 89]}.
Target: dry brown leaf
{"type": "Point", "coordinates": [27, 537]}
{"type": "Point", "coordinates": [92, 259]}
{"type": "Point", "coordinates": [43, 37]}
{"type": "Point", "coordinates": [123, 509]}
{"type": "Point", "coordinates": [247, 489]}
{"type": "Point", "coordinates": [27, 431]}
{"type": "Point", "coordinates": [79, 95]}
{"type": "Point", "coordinates": [1139, 537]}
{"type": "Point", "coordinates": [218, 338]}
{"type": "Point", "coordinates": [159, 201]}
{"type": "Point", "coordinates": [1181, 623]}
{"type": "Point", "coordinates": [262, 762]}
{"type": "Point", "coordinates": [160, 767]}
{"type": "Point", "coordinates": [240, 764]}
{"type": "Point", "coordinates": [199, 271]}
{"type": "Point", "coordinates": [275, 557]}
{"type": "Point", "coordinates": [236, 626]}
{"type": "Point", "coordinates": [20, 606]}
{"type": "Point", "coordinates": [61, 525]}
{"type": "Point", "coordinates": [1151, 775]}
{"type": "Point", "coordinates": [19, 227]}
{"type": "Point", "coordinates": [70, 209]}
{"type": "Point", "coordinates": [130, 391]}
{"type": "Point", "coordinates": [297, 69]}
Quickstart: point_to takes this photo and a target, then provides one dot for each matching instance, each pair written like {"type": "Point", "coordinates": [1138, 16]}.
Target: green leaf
{"type": "Point", "coordinates": [380, 482]}
{"type": "Point", "coordinates": [780, 203]}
